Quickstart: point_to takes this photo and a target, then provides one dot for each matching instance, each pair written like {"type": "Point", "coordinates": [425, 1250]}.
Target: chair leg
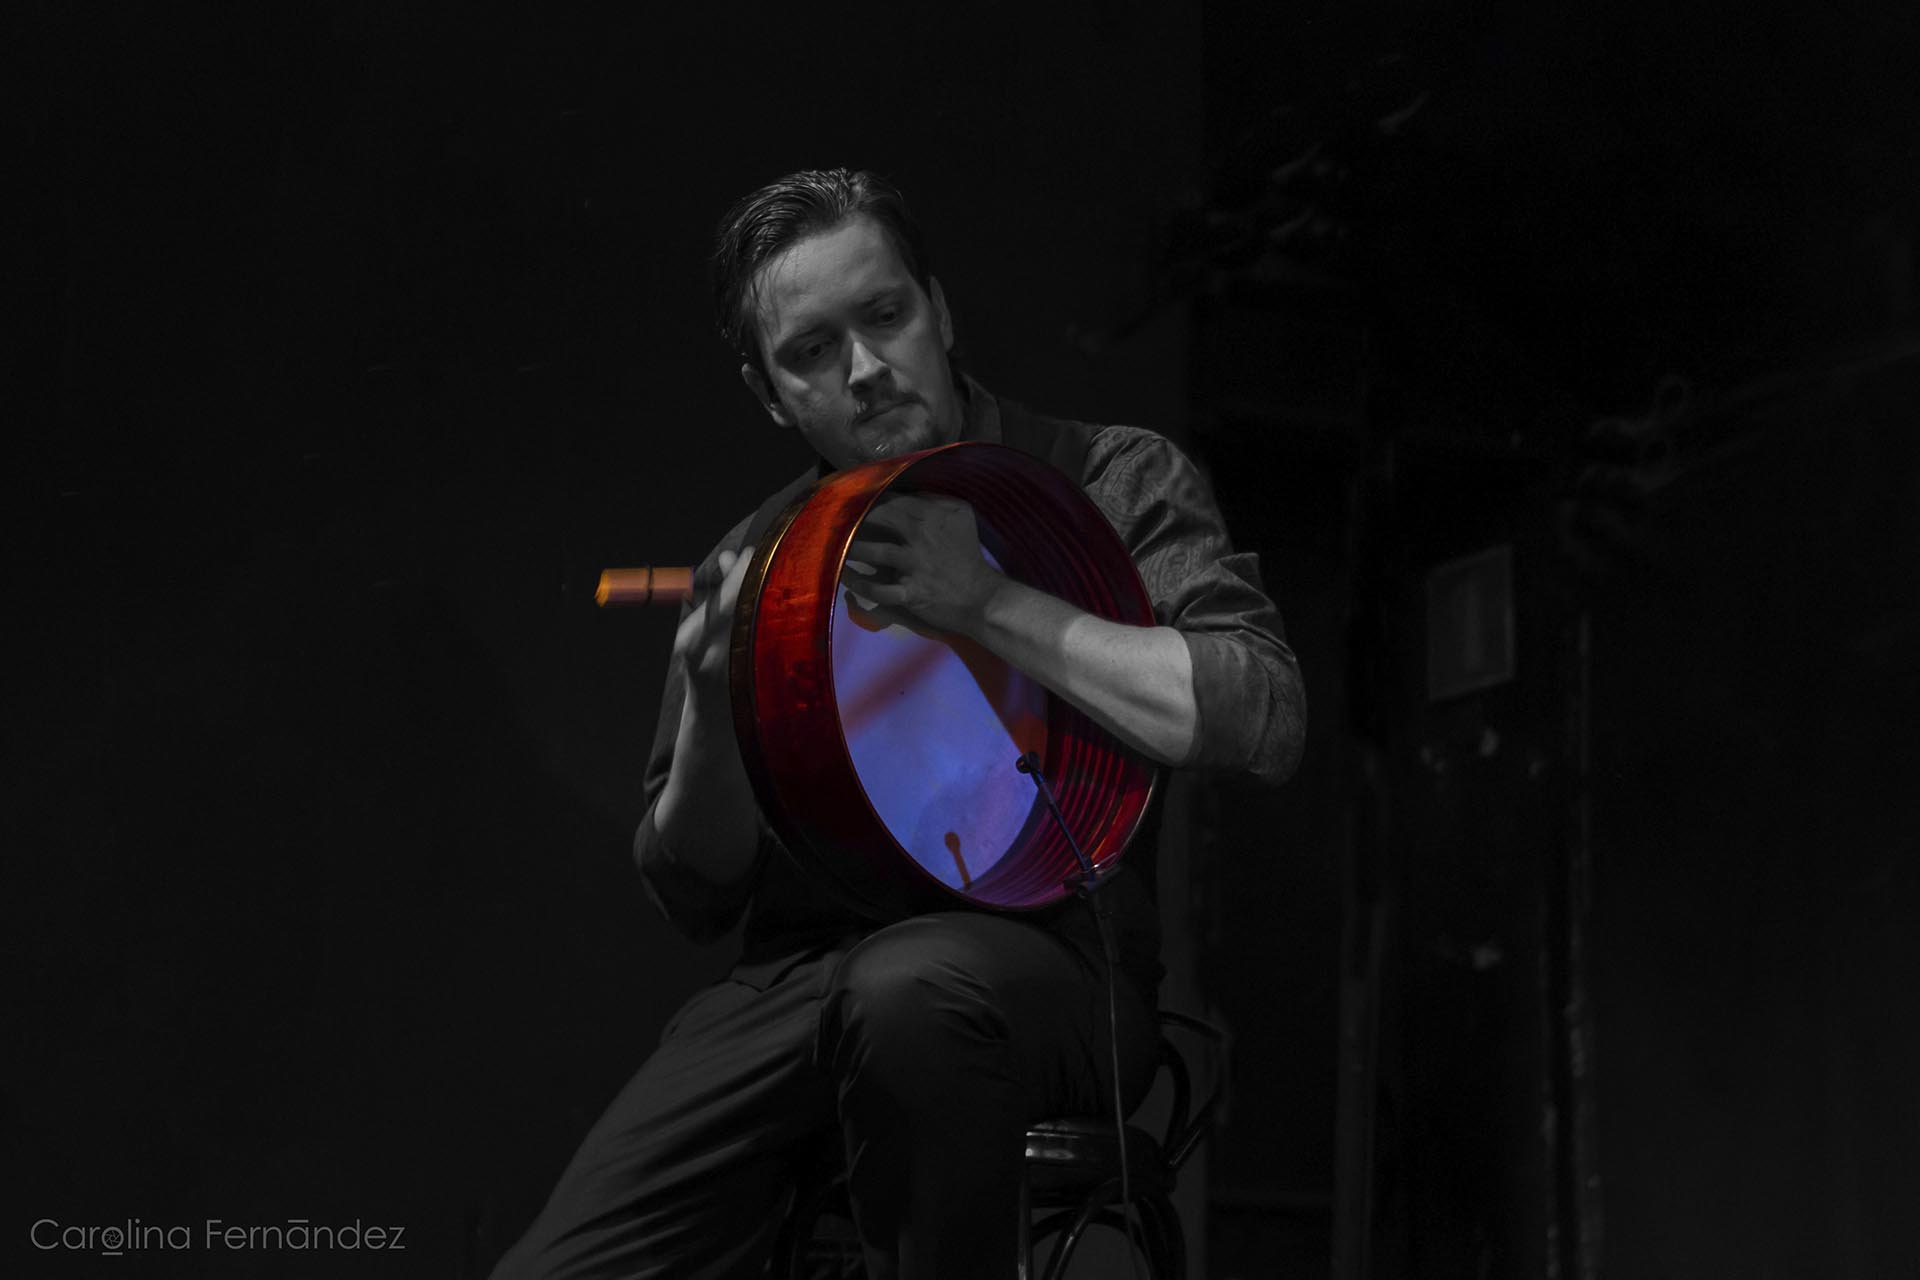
{"type": "Point", "coordinates": [1166, 1242]}
{"type": "Point", "coordinates": [1158, 1236]}
{"type": "Point", "coordinates": [1155, 1233]}
{"type": "Point", "coordinates": [1023, 1261]}
{"type": "Point", "coordinates": [797, 1253]}
{"type": "Point", "coordinates": [1156, 1216]}
{"type": "Point", "coordinates": [1069, 1236]}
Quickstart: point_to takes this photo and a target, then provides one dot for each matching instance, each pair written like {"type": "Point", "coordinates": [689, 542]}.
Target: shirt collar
{"type": "Point", "coordinates": [981, 417]}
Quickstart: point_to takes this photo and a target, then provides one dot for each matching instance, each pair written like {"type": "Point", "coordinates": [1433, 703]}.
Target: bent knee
{"type": "Point", "coordinates": [895, 999]}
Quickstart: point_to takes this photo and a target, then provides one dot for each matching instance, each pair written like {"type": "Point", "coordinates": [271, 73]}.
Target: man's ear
{"type": "Point", "coordinates": [763, 392]}
{"type": "Point", "coordinates": [941, 313]}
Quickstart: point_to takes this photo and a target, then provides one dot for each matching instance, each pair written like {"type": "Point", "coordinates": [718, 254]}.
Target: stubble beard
{"type": "Point", "coordinates": [895, 430]}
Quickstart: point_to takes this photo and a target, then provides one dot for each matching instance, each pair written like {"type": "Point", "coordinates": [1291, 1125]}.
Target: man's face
{"type": "Point", "coordinates": [855, 349]}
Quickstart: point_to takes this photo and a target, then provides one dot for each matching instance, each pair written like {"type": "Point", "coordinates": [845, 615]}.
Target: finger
{"type": "Point", "coordinates": [871, 614]}
{"type": "Point", "coordinates": [894, 515]}
{"type": "Point", "coordinates": [708, 575]}
{"type": "Point", "coordinates": [857, 575]}
{"type": "Point", "coordinates": [736, 577]}
{"type": "Point", "coordinates": [713, 601]}
{"type": "Point", "coordinates": [920, 506]}
{"type": "Point", "coordinates": [687, 637]}
{"type": "Point", "coordinates": [878, 615]}
{"type": "Point", "coordinates": [871, 554]}
{"type": "Point", "coordinates": [880, 596]}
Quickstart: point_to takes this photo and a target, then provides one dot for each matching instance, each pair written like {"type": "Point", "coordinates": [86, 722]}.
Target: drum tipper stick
{"type": "Point", "coordinates": [648, 584]}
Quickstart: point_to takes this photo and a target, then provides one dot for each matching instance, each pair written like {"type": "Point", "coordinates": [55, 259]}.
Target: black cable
{"type": "Point", "coordinates": [1088, 885]}
{"type": "Point", "coordinates": [1134, 1245]}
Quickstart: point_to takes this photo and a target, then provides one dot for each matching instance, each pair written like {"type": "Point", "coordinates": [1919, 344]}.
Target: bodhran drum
{"type": "Point", "coordinates": [887, 759]}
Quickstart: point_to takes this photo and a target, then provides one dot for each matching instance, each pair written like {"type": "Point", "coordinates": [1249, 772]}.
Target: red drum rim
{"type": "Point", "coordinates": [787, 716]}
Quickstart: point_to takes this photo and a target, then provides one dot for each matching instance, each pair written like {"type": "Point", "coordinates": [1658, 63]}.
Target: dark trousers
{"type": "Point", "coordinates": [923, 1051]}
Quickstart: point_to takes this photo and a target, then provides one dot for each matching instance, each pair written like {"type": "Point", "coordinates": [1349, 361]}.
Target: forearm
{"type": "Point", "coordinates": [1136, 682]}
{"type": "Point", "coordinates": [707, 806]}
{"type": "Point", "coordinates": [1221, 700]}
{"type": "Point", "coordinates": [698, 845]}
{"type": "Point", "coordinates": [1214, 688]}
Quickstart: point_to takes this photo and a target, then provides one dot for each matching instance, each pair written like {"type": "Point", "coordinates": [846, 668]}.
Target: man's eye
{"type": "Point", "coordinates": [810, 352]}
{"type": "Point", "coordinates": [886, 315]}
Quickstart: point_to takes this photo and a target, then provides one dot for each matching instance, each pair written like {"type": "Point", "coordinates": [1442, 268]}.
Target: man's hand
{"type": "Point", "coordinates": [918, 559]}
{"type": "Point", "coordinates": [706, 813]}
{"type": "Point", "coordinates": [705, 635]}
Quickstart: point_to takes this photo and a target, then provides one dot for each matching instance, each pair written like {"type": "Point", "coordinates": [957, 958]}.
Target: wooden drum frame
{"type": "Point", "coordinates": [788, 712]}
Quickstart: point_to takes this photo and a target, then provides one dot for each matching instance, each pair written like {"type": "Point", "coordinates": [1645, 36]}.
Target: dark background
{"type": "Point", "coordinates": [354, 340]}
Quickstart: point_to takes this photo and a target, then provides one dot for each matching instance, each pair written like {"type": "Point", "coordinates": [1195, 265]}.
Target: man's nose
{"type": "Point", "coordinates": [867, 367]}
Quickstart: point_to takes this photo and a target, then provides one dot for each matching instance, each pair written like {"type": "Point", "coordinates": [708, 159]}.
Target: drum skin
{"type": "Point", "coordinates": [788, 714]}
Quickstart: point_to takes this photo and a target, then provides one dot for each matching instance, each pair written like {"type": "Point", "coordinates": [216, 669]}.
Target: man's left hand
{"type": "Point", "coordinates": [918, 558]}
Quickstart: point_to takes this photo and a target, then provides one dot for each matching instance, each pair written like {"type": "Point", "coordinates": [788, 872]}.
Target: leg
{"type": "Point", "coordinates": [945, 1036]}
{"type": "Point", "coordinates": [688, 1172]}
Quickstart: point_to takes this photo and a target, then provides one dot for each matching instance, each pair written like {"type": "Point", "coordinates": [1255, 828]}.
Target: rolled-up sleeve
{"type": "Point", "coordinates": [1247, 689]}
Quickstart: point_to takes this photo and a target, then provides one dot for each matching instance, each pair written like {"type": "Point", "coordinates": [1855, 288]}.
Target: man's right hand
{"type": "Point", "coordinates": [707, 816]}
{"type": "Point", "coordinates": [704, 641]}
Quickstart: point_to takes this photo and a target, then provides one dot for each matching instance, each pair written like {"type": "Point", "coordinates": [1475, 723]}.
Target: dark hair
{"type": "Point", "coordinates": [765, 223]}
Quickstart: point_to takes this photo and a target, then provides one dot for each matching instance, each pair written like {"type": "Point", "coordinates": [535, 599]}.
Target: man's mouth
{"type": "Point", "coordinates": [874, 411]}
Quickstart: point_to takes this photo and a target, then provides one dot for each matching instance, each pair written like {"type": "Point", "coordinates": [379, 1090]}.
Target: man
{"type": "Point", "coordinates": [918, 1051]}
